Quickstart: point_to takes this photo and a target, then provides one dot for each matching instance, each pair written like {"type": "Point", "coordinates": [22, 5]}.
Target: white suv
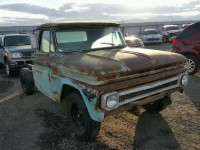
{"type": "Point", "coordinates": [169, 32]}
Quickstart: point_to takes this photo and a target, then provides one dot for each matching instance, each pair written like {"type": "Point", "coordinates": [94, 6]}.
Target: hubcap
{"type": "Point", "coordinates": [190, 65]}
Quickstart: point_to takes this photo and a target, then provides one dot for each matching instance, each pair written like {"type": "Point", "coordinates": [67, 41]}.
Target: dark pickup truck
{"type": "Point", "coordinates": [88, 66]}
{"type": "Point", "coordinates": [15, 52]}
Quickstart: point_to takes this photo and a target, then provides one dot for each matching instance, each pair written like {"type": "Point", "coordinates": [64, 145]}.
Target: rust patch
{"type": "Point", "coordinates": [41, 72]}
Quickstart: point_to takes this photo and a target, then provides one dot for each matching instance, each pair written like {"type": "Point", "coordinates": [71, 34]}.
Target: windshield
{"type": "Point", "coordinates": [151, 32]}
{"type": "Point", "coordinates": [17, 40]}
{"type": "Point", "coordinates": [88, 38]}
{"type": "Point", "coordinates": [172, 28]}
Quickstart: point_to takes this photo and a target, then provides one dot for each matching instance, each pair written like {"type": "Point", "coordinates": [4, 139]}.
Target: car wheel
{"type": "Point", "coordinates": [8, 70]}
{"type": "Point", "coordinates": [80, 121]}
{"type": "Point", "coordinates": [26, 80]}
{"type": "Point", "coordinates": [1, 65]}
{"type": "Point", "coordinates": [165, 39]}
{"type": "Point", "coordinates": [158, 105]}
{"type": "Point", "coordinates": [192, 64]}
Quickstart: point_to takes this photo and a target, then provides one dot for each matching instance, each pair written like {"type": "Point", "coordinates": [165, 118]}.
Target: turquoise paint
{"type": "Point", "coordinates": [91, 105]}
{"type": "Point", "coordinates": [52, 87]}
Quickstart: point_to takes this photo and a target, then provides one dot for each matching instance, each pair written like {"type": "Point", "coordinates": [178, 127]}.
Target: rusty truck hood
{"type": "Point", "coordinates": [95, 66]}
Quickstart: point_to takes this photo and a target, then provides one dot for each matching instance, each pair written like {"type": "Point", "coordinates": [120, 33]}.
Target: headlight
{"type": "Point", "coordinates": [112, 101]}
{"type": "Point", "coordinates": [14, 55]}
{"type": "Point", "coordinates": [184, 80]}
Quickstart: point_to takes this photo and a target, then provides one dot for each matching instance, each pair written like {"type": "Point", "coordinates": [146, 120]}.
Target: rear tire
{"type": "Point", "coordinates": [27, 82]}
{"type": "Point", "coordinates": [81, 123]}
{"type": "Point", "coordinates": [192, 64]}
{"type": "Point", "coordinates": [158, 105]}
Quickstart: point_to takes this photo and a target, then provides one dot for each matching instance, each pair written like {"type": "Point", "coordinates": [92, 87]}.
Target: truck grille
{"type": "Point", "coordinates": [26, 54]}
{"type": "Point", "coordinates": [143, 92]}
{"type": "Point", "coordinates": [148, 89]}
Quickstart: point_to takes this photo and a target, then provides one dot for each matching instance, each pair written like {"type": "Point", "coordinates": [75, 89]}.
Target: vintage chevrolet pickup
{"type": "Point", "coordinates": [88, 66]}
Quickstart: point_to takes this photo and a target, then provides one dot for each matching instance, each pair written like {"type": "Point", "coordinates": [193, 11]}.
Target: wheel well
{"type": "Point", "coordinates": [66, 90]}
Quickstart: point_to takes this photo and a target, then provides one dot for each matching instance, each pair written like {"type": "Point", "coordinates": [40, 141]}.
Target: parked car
{"type": "Point", "coordinates": [187, 43]}
{"type": "Point", "coordinates": [169, 32]}
{"type": "Point", "coordinates": [15, 52]}
{"type": "Point", "coordinates": [133, 41]}
{"type": "Point", "coordinates": [151, 36]}
{"type": "Point", "coordinates": [88, 66]}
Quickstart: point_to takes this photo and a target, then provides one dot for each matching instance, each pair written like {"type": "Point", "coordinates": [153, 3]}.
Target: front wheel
{"type": "Point", "coordinates": [158, 105]}
{"type": "Point", "coordinates": [192, 64]}
{"type": "Point", "coordinates": [9, 71]}
{"type": "Point", "coordinates": [81, 123]}
{"type": "Point", "coordinates": [165, 39]}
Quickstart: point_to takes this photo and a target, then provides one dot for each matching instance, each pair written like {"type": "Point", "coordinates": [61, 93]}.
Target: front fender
{"type": "Point", "coordinates": [89, 97]}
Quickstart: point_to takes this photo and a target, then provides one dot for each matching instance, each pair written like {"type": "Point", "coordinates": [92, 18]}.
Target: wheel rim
{"type": "Point", "coordinates": [190, 65]}
{"type": "Point", "coordinates": [7, 69]}
{"type": "Point", "coordinates": [77, 116]}
{"type": "Point", "coordinates": [164, 39]}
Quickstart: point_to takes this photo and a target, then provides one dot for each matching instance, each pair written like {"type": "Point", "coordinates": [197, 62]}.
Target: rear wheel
{"type": "Point", "coordinates": [26, 80]}
{"type": "Point", "coordinates": [158, 105]}
{"type": "Point", "coordinates": [192, 64]}
{"type": "Point", "coordinates": [81, 123]}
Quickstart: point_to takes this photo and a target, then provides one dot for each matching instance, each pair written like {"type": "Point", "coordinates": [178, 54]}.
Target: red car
{"type": "Point", "coordinates": [187, 43]}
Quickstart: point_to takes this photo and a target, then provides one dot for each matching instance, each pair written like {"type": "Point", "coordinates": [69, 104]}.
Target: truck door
{"type": "Point", "coordinates": [41, 67]}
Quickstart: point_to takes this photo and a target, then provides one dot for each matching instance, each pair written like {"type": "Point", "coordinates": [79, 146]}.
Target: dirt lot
{"type": "Point", "coordinates": [36, 122]}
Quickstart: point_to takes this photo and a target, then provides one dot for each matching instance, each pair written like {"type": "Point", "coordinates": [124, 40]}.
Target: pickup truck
{"type": "Point", "coordinates": [89, 67]}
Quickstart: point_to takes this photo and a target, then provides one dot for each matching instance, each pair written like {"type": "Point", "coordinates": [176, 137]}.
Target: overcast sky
{"type": "Point", "coordinates": [33, 12]}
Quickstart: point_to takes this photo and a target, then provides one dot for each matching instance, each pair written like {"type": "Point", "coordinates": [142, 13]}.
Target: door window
{"type": "Point", "coordinates": [46, 45]}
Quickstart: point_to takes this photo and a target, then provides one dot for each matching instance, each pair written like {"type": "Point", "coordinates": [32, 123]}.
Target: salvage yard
{"type": "Point", "coordinates": [36, 122]}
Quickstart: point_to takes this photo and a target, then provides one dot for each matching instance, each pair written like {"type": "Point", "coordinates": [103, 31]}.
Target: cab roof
{"type": "Point", "coordinates": [76, 24]}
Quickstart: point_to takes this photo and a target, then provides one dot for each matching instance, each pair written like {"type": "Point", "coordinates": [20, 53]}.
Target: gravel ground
{"type": "Point", "coordinates": [37, 123]}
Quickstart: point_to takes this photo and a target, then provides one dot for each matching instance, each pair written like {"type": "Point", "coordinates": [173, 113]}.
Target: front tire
{"type": "Point", "coordinates": [192, 64]}
{"type": "Point", "coordinates": [8, 70]}
{"type": "Point", "coordinates": [26, 80]}
{"type": "Point", "coordinates": [165, 39]}
{"type": "Point", "coordinates": [81, 123]}
{"type": "Point", "coordinates": [158, 105]}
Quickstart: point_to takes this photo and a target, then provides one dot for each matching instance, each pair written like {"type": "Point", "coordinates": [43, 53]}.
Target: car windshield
{"type": "Point", "coordinates": [17, 40]}
{"type": "Point", "coordinates": [151, 32]}
{"type": "Point", "coordinates": [69, 40]}
{"type": "Point", "coordinates": [172, 28]}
